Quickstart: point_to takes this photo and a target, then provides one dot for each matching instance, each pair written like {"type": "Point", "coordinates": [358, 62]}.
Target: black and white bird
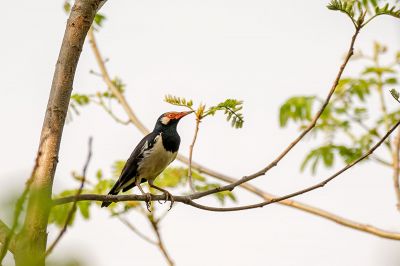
{"type": "Point", "coordinates": [151, 156]}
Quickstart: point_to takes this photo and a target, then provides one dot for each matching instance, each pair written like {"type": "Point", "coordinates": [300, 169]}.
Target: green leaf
{"type": "Point", "coordinates": [178, 101]}
{"type": "Point", "coordinates": [80, 99]}
{"type": "Point", "coordinates": [83, 207]}
{"type": "Point", "coordinates": [391, 81]}
{"type": "Point", "coordinates": [99, 174]}
{"type": "Point", "coordinates": [378, 70]}
{"type": "Point", "coordinates": [298, 109]}
{"type": "Point", "coordinates": [388, 10]}
{"type": "Point", "coordinates": [67, 6]}
{"type": "Point", "coordinates": [59, 213]}
{"type": "Point", "coordinates": [231, 108]}
{"type": "Point", "coordinates": [99, 19]}
{"type": "Point", "coordinates": [395, 94]}
{"type": "Point", "coordinates": [220, 196]}
{"type": "Point", "coordinates": [324, 153]}
{"type": "Point", "coordinates": [346, 7]}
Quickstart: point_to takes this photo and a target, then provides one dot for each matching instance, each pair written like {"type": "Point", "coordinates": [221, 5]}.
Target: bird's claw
{"type": "Point", "coordinates": [169, 195]}
{"type": "Point", "coordinates": [148, 201]}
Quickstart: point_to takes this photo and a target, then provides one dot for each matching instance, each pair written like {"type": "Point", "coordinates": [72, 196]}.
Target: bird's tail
{"type": "Point", "coordinates": [114, 191]}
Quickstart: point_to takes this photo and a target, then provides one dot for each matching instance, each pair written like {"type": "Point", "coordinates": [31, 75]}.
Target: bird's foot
{"type": "Point", "coordinates": [170, 197]}
{"type": "Point", "coordinates": [148, 201]}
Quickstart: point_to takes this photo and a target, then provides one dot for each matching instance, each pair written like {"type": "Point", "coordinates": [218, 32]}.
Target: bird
{"type": "Point", "coordinates": [150, 157]}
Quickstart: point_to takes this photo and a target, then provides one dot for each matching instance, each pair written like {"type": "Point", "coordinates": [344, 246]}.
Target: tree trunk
{"type": "Point", "coordinates": [31, 242]}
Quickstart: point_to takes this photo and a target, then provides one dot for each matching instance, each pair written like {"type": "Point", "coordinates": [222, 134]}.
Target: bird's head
{"type": "Point", "coordinates": [170, 119]}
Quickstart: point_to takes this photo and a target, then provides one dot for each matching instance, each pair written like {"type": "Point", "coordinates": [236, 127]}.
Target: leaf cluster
{"type": "Point", "coordinates": [230, 107]}
{"type": "Point", "coordinates": [350, 124]}
{"type": "Point", "coordinates": [104, 99]}
{"type": "Point", "coordinates": [357, 10]}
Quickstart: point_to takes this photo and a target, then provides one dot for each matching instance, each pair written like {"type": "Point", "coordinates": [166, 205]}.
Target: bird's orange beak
{"type": "Point", "coordinates": [182, 114]}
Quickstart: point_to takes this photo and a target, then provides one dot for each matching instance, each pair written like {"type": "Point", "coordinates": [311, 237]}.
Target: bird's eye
{"type": "Point", "coordinates": [170, 116]}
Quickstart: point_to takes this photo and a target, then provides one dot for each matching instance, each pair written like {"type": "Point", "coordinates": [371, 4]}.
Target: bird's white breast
{"type": "Point", "coordinates": [155, 160]}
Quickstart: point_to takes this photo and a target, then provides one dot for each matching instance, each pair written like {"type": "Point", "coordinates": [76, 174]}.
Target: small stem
{"type": "Point", "coordinates": [108, 110]}
{"type": "Point", "coordinates": [191, 154]}
{"type": "Point", "coordinates": [136, 231]}
{"type": "Point", "coordinates": [160, 243]}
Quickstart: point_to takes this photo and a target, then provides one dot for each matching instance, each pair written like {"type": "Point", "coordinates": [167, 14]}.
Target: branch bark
{"type": "Point", "coordinates": [31, 243]}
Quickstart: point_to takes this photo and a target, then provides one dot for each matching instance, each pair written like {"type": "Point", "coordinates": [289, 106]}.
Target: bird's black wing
{"type": "Point", "coordinates": [130, 169]}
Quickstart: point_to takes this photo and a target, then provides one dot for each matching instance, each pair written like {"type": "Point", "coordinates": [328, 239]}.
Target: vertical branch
{"type": "Point", "coordinates": [31, 243]}
{"type": "Point", "coordinates": [160, 243]}
{"type": "Point", "coordinates": [154, 225]}
{"type": "Point", "coordinates": [396, 167]}
{"type": "Point", "coordinates": [74, 204]}
{"type": "Point", "coordinates": [191, 154]}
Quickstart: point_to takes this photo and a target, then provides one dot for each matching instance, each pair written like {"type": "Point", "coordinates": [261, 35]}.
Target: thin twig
{"type": "Point", "coordinates": [191, 154]}
{"type": "Point", "coordinates": [160, 243]}
{"type": "Point", "coordinates": [75, 201]}
{"type": "Point", "coordinates": [136, 231]}
{"type": "Point", "coordinates": [102, 104]}
{"type": "Point", "coordinates": [154, 225]}
{"type": "Point", "coordinates": [396, 168]}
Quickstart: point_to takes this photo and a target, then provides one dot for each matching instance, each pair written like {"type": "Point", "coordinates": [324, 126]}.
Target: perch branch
{"type": "Point", "coordinates": [189, 199]}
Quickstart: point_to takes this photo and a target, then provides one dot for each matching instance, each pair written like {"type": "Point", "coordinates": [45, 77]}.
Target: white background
{"type": "Point", "coordinates": [259, 51]}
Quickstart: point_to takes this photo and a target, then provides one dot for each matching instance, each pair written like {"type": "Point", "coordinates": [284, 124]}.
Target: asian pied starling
{"type": "Point", "coordinates": [150, 157]}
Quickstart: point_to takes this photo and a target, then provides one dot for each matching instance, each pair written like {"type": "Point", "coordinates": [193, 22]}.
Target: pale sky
{"type": "Point", "coordinates": [258, 51]}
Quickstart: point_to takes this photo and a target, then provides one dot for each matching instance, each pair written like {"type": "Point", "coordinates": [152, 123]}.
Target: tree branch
{"type": "Point", "coordinates": [73, 208]}
{"type": "Point", "coordinates": [189, 199]}
{"type": "Point", "coordinates": [265, 195]}
{"type": "Point", "coordinates": [32, 243]}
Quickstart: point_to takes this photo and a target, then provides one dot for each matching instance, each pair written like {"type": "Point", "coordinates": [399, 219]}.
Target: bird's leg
{"type": "Point", "coordinates": [148, 196]}
{"type": "Point", "coordinates": [166, 193]}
